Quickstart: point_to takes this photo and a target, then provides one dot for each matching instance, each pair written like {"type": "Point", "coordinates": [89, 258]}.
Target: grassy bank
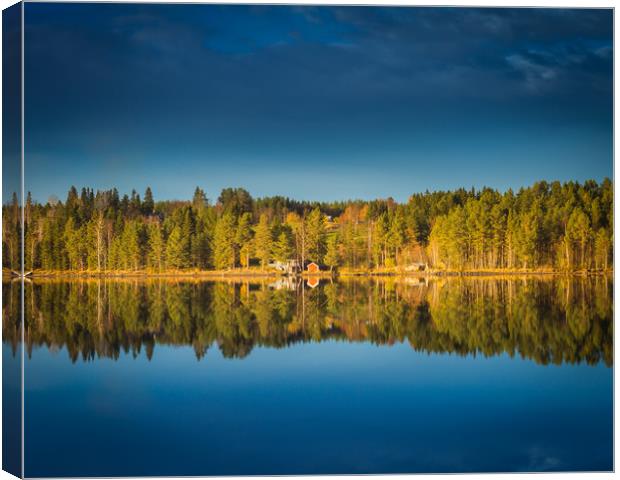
{"type": "Point", "coordinates": [470, 272]}
{"type": "Point", "coordinates": [196, 273]}
{"type": "Point", "coordinates": [244, 273]}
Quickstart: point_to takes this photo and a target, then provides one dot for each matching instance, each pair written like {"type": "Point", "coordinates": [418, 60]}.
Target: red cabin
{"type": "Point", "coordinates": [313, 268]}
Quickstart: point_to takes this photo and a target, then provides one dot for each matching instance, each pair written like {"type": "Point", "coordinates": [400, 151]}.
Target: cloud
{"type": "Point", "coordinates": [536, 75]}
{"type": "Point", "coordinates": [539, 460]}
{"type": "Point", "coordinates": [568, 67]}
{"type": "Point", "coordinates": [604, 52]}
{"type": "Point", "coordinates": [277, 67]}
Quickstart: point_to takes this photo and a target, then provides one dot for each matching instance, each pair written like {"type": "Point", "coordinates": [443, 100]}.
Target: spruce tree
{"type": "Point", "coordinates": [148, 205]}
{"type": "Point", "coordinates": [156, 246]}
{"type": "Point", "coordinates": [263, 241]}
{"type": "Point", "coordinates": [283, 247]}
{"type": "Point", "coordinates": [315, 231]}
{"type": "Point", "coordinates": [223, 242]}
{"type": "Point", "coordinates": [243, 238]}
{"type": "Point", "coordinates": [177, 249]}
{"type": "Point", "coordinates": [332, 255]}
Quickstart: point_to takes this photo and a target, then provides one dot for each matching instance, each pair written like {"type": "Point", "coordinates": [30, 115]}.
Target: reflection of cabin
{"type": "Point", "coordinates": [416, 281]}
{"type": "Point", "coordinates": [313, 282]}
{"type": "Point", "coordinates": [313, 267]}
{"type": "Point", "coordinates": [283, 283]}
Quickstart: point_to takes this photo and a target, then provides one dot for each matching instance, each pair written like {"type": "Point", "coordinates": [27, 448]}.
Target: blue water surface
{"type": "Point", "coordinates": [313, 408]}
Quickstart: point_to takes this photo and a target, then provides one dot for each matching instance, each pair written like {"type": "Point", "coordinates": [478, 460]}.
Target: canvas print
{"type": "Point", "coordinates": [299, 240]}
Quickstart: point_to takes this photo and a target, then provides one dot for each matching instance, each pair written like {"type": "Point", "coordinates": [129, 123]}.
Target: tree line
{"type": "Point", "coordinates": [565, 320]}
{"type": "Point", "coordinates": [561, 226]}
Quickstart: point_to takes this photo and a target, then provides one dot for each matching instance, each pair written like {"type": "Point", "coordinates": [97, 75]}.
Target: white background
{"type": "Point", "coordinates": [481, 3]}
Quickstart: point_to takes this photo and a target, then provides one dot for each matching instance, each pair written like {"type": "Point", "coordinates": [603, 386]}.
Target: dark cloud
{"type": "Point", "coordinates": [130, 79]}
{"type": "Point", "coordinates": [339, 51]}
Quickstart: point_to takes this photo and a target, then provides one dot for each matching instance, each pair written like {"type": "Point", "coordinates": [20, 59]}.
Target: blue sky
{"type": "Point", "coordinates": [314, 102]}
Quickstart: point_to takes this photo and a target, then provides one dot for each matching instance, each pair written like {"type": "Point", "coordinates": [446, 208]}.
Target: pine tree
{"type": "Point", "coordinates": [131, 246]}
{"type": "Point", "coordinates": [135, 205]}
{"type": "Point", "coordinates": [602, 247]}
{"type": "Point", "coordinates": [578, 232]}
{"type": "Point", "coordinates": [199, 200]}
{"type": "Point", "coordinates": [148, 205]}
{"type": "Point", "coordinates": [72, 203]}
{"type": "Point", "coordinates": [456, 238]}
{"type": "Point", "coordinates": [332, 256]}
{"type": "Point", "coordinates": [177, 249]}
{"type": "Point", "coordinates": [528, 236]}
{"type": "Point", "coordinates": [74, 239]}
{"type": "Point", "coordinates": [283, 247]}
{"type": "Point", "coordinates": [379, 247]}
{"type": "Point", "coordinates": [397, 234]}
{"type": "Point", "coordinates": [243, 238]}
{"type": "Point", "coordinates": [223, 242]}
{"type": "Point", "coordinates": [188, 232]}
{"type": "Point", "coordinates": [11, 236]}
{"type": "Point", "coordinates": [263, 241]}
{"type": "Point", "coordinates": [315, 232]}
{"type": "Point", "coordinates": [296, 224]}
{"type": "Point", "coordinates": [156, 246]}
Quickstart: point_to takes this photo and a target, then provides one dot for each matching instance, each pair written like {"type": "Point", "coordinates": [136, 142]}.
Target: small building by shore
{"type": "Point", "coordinates": [289, 267]}
{"type": "Point", "coordinates": [313, 267]}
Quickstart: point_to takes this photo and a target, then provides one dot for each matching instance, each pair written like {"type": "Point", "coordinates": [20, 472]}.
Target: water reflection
{"type": "Point", "coordinates": [559, 320]}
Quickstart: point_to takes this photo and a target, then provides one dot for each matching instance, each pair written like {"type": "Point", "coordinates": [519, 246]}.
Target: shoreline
{"type": "Point", "coordinates": [249, 274]}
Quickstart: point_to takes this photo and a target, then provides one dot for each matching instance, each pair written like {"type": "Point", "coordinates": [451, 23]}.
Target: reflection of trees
{"type": "Point", "coordinates": [11, 307]}
{"type": "Point", "coordinates": [567, 319]}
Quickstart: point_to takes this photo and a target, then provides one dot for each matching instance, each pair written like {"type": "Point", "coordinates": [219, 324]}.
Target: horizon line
{"type": "Point", "coordinates": [213, 200]}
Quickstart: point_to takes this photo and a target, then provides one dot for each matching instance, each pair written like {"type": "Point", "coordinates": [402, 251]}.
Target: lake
{"type": "Point", "coordinates": [183, 377]}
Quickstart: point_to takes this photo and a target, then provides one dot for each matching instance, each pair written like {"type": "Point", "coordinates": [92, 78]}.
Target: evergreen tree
{"type": "Point", "coordinates": [177, 249]}
{"type": "Point", "coordinates": [243, 238]}
{"type": "Point", "coordinates": [235, 201]}
{"type": "Point", "coordinates": [315, 233]}
{"type": "Point", "coordinates": [148, 205]}
{"type": "Point", "coordinates": [135, 205]}
{"type": "Point", "coordinates": [602, 248]}
{"type": "Point", "coordinates": [223, 242]}
{"type": "Point", "coordinates": [199, 200]}
{"type": "Point", "coordinates": [332, 256]}
{"type": "Point", "coordinates": [578, 232]}
{"type": "Point", "coordinates": [74, 244]}
{"type": "Point", "coordinates": [263, 241]}
{"type": "Point", "coordinates": [131, 247]}
{"type": "Point", "coordinates": [188, 232]}
{"type": "Point", "coordinates": [561, 226]}
{"type": "Point", "coordinates": [380, 236]}
{"type": "Point", "coordinates": [156, 247]}
{"type": "Point", "coordinates": [528, 237]}
{"type": "Point", "coordinates": [283, 247]}
{"type": "Point", "coordinates": [396, 236]}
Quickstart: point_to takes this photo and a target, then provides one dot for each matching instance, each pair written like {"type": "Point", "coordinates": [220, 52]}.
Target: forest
{"type": "Point", "coordinates": [547, 226]}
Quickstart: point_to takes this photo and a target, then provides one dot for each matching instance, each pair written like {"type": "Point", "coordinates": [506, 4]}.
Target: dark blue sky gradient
{"type": "Point", "coordinates": [314, 102]}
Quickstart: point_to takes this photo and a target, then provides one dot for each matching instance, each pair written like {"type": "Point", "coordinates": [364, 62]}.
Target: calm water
{"type": "Point", "coordinates": [200, 378]}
